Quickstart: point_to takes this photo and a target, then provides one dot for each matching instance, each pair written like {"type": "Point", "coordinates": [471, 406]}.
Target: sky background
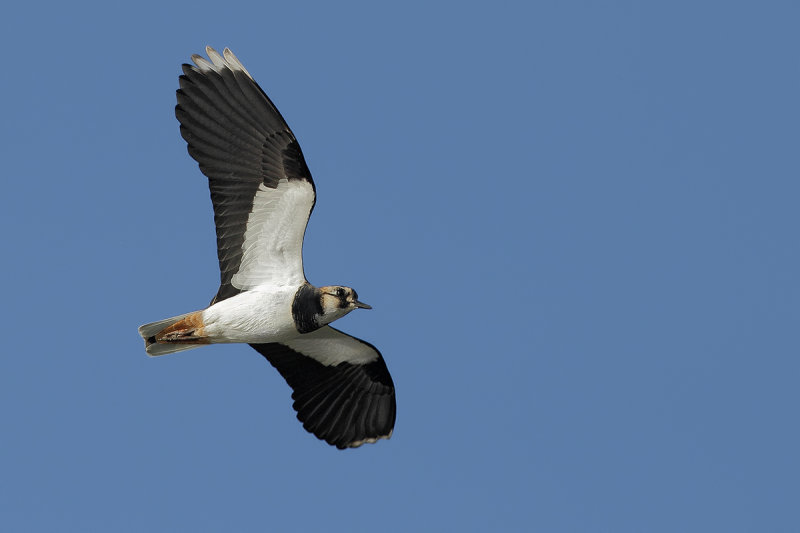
{"type": "Point", "coordinates": [576, 222]}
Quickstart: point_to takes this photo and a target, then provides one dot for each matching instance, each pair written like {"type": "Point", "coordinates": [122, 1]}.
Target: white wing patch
{"type": "Point", "coordinates": [272, 252]}
{"type": "Point", "coordinates": [331, 347]}
{"type": "Point", "coordinates": [219, 62]}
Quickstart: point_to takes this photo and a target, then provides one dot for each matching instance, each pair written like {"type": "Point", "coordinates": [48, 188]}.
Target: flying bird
{"type": "Point", "coordinates": [263, 195]}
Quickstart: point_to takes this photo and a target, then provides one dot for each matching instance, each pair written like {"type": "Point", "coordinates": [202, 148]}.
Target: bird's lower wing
{"type": "Point", "coordinates": [343, 392]}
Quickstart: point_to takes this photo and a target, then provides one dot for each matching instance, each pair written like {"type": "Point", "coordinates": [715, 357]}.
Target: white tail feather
{"type": "Point", "coordinates": [161, 348]}
{"type": "Point", "coordinates": [148, 331]}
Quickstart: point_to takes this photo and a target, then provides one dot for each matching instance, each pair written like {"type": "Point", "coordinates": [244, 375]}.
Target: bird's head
{"type": "Point", "coordinates": [337, 301]}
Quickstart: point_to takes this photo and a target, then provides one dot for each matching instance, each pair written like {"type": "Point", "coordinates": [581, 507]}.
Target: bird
{"type": "Point", "coordinates": [263, 195]}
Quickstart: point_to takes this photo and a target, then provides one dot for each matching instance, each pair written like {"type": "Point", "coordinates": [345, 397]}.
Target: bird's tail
{"type": "Point", "coordinates": [174, 334]}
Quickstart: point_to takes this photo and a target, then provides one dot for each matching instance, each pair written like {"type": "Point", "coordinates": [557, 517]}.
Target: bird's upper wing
{"type": "Point", "coordinates": [261, 188]}
{"type": "Point", "coordinates": [343, 392]}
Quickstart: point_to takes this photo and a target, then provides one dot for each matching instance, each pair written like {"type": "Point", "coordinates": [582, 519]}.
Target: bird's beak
{"type": "Point", "coordinates": [362, 305]}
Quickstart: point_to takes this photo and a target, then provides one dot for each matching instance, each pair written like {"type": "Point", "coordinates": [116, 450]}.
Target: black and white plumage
{"type": "Point", "coordinates": [263, 195]}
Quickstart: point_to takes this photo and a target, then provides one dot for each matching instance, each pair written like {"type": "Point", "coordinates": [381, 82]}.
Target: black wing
{"type": "Point", "coordinates": [343, 392]}
{"type": "Point", "coordinates": [251, 159]}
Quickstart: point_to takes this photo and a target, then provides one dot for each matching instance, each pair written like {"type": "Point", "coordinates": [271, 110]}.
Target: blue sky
{"type": "Point", "coordinates": [576, 222]}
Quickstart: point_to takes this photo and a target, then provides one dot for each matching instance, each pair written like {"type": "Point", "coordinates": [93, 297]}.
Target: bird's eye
{"type": "Point", "coordinates": [340, 292]}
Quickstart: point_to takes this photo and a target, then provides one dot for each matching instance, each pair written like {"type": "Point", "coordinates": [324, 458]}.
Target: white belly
{"type": "Point", "coordinates": [259, 315]}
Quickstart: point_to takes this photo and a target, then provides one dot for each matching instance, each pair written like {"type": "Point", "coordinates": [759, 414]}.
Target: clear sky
{"type": "Point", "coordinates": [577, 223]}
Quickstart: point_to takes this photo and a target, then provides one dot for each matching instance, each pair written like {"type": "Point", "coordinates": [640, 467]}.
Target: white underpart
{"type": "Point", "coordinates": [273, 239]}
{"type": "Point", "coordinates": [331, 347]}
{"type": "Point", "coordinates": [261, 315]}
{"type": "Point", "coordinates": [219, 62]}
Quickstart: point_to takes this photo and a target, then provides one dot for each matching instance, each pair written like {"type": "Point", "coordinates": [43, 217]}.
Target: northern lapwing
{"type": "Point", "coordinates": [263, 195]}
